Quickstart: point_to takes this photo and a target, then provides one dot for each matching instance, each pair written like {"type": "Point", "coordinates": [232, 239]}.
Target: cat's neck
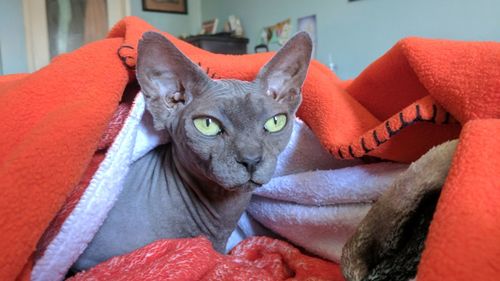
{"type": "Point", "coordinates": [161, 199]}
{"type": "Point", "coordinates": [222, 207]}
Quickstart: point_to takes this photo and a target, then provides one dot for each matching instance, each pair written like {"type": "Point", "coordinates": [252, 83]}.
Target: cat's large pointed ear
{"type": "Point", "coordinates": [168, 79]}
{"type": "Point", "coordinates": [282, 77]}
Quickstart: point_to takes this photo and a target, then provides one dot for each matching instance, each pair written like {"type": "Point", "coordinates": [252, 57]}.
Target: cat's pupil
{"type": "Point", "coordinates": [208, 121]}
{"type": "Point", "coordinates": [275, 119]}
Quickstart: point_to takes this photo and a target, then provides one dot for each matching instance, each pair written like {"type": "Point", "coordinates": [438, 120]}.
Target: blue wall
{"type": "Point", "coordinates": [12, 42]}
{"type": "Point", "coordinates": [356, 33]}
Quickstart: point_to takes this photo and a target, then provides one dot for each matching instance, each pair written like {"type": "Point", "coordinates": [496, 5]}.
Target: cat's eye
{"type": "Point", "coordinates": [207, 126]}
{"type": "Point", "coordinates": [275, 123]}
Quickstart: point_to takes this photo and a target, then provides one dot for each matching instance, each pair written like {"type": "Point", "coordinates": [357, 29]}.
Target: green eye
{"type": "Point", "coordinates": [275, 123]}
{"type": "Point", "coordinates": [207, 126]}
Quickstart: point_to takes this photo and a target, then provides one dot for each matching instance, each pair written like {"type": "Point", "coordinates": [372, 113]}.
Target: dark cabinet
{"type": "Point", "coordinates": [220, 44]}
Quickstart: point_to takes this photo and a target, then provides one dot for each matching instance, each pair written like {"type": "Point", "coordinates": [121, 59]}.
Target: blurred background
{"type": "Point", "coordinates": [348, 34]}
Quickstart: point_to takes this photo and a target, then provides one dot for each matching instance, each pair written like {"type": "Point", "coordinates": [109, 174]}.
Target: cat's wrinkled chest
{"type": "Point", "coordinates": [153, 205]}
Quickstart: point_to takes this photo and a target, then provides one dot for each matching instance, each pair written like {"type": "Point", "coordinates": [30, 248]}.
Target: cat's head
{"type": "Point", "coordinates": [227, 131]}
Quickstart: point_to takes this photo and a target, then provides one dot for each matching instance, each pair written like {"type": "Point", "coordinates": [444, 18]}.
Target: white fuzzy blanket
{"type": "Point", "coordinates": [315, 201]}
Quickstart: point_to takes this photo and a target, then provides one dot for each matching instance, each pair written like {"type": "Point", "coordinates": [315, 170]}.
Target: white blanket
{"type": "Point", "coordinates": [315, 201]}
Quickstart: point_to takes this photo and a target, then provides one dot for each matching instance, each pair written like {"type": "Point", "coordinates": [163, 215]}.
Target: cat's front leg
{"type": "Point", "coordinates": [379, 231]}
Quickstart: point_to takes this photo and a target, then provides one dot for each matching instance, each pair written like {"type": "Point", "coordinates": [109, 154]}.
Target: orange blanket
{"type": "Point", "coordinates": [405, 102]}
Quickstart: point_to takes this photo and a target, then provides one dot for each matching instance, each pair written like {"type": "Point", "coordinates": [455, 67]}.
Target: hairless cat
{"type": "Point", "coordinates": [226, 136]}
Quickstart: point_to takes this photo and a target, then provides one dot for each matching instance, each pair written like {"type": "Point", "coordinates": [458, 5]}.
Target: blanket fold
{"type": "Point", "coordinates": [419, 94]}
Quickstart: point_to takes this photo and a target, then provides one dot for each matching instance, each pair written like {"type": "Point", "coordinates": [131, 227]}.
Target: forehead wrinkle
{"type": "Point", "coordinates": [233, 87]}
{"type": "Point", "coordinates": [236, 102]}
{"type": "Point", "coordinates": [252, 93]}
{"type": "Point", "coordinates": [244, 112]}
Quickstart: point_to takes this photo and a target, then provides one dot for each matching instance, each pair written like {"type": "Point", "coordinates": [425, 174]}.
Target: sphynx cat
{"type": "Point", "coordinates": [225, 135]}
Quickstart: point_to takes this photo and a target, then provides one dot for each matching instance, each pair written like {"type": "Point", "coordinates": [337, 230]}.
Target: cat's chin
{"type": "Point", "coordinates": [246, 187]}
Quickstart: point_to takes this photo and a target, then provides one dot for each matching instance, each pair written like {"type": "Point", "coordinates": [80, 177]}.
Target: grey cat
{"type": "Point", "coordinates": [226, 136]}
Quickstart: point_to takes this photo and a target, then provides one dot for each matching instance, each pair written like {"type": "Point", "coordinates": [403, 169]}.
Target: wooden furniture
{"type": "Point", "coordinates": [220, 44]}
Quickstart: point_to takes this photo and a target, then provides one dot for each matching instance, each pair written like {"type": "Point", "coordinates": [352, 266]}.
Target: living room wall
{"type": "Point", "coordinates": [13, 53]}
{"type": "Point", "coordinates": [353, 34]}
{"type": "Point", "coordinates": [356, 33]}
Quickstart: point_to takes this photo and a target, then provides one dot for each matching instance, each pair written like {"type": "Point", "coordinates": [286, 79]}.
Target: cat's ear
{"type": "Point", "coordinates": [282, 77]}
{"type": "Point", "coordinates": [168, 79]}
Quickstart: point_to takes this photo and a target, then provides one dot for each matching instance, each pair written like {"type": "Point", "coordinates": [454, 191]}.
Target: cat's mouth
{"type": "Point", "coordinates": [257, 184]}
{"type": "Point", "coordinates": [246, 187]}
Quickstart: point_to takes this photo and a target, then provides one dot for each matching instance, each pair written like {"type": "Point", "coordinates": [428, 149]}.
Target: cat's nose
{"type": "Point", "coordinates": [250, 161]}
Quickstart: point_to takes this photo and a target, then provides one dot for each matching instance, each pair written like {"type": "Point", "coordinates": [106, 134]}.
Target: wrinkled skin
{"type": "Point", "coordinates": [226, 159]}
{"type": "Point", "coordinates": [200, 184]}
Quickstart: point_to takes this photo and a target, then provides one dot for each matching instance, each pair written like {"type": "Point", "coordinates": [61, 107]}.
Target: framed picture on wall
{"type": "Point", "coordinates": [165, 6]}
{"type": "Point", "coordinates": [209, 26]}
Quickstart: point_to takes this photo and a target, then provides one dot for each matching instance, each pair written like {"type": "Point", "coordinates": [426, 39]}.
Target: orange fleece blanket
{"type": "Point", "coordinates": [420, 93]}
